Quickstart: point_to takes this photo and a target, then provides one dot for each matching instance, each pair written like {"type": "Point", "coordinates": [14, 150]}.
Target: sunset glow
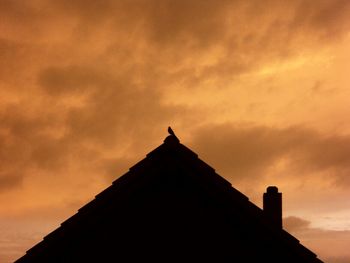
{"type": "Point", "coordinates": [259, 89]}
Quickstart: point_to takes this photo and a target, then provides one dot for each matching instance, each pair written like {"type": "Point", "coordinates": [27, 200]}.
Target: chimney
{"type": "Point", "coordinates": [272, 200]}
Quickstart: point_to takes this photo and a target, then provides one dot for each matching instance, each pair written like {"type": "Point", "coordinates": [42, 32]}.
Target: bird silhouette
{"type": "Point", "coordinates": [171, 132]}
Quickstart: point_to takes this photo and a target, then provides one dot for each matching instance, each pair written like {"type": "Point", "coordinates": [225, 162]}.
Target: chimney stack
{"type": "Point", "coordinates": [272, 200]}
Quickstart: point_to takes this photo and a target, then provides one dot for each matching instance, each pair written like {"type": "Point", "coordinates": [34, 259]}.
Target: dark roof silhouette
{"type": "Point", "coordinates": [169, 207]}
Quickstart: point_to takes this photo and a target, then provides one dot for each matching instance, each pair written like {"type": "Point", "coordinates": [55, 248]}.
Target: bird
{"type": "Point", "coordinates": [172, 137]}
{"type": "Point", "coordinates": [171, 132]}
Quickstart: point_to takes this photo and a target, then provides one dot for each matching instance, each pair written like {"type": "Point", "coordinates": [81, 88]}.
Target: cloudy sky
{"type": "Point", "coordinates": [259, 89]}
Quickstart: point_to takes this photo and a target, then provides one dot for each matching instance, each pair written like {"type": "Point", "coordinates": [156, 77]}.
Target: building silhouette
{"type": "Point", "coordinates": [172, 207]}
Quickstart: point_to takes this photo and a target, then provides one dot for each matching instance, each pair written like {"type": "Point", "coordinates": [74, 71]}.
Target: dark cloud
{"type": "Point", "coordinates": [24, 144]}
{"type": "Point", "coordinates": [330, 19]}
{"type": "Point", "coordinates": [165, 39]}
{"type": "Point", "coordinates": [68, 81]}
{"type": "Point", "coordinates": [114, 107]}
{"type": "Point", "coordinates": [296, 224]}
{"type": "Point", "coordinates": [112, 112]}
{"type": "Point", "coordinates": [9, 180]}
{"type": "Point", "coordinates": [319, 239]}
{"type": "Point", "coordinates": [85, 83]}
{"type": "Point", "coordinates": [243, 152]}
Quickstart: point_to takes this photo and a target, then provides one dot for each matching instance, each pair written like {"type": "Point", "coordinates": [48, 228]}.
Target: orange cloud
{"type": "Point", "coordinates": [88, 87]}
{"type": "Point", "coordinates": [244, 151]}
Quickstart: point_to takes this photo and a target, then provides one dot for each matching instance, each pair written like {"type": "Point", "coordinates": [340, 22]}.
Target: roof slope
{"type": "Point", "coordinates": [171, 206]}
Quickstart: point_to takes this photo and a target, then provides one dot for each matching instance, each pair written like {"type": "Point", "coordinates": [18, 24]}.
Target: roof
{"type": "Point", "coordinates": [168, 206]}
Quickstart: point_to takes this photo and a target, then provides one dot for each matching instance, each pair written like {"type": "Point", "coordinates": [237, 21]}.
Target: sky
{"type": "Point", "coordinates": [259, 89]}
